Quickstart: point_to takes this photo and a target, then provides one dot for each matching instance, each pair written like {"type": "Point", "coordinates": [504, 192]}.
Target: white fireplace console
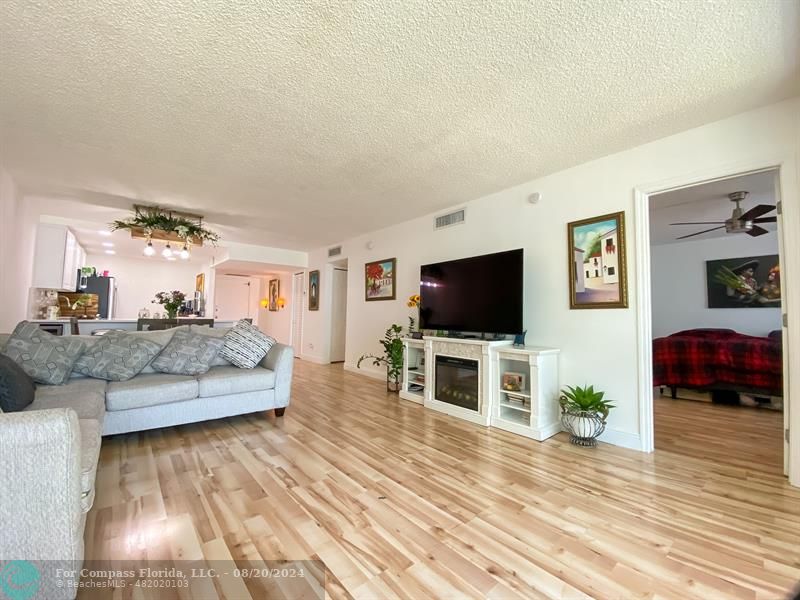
{"type": "Point", "coordinates": [463, 378]}
{"type": "Point", "coordinates": [469, 350]}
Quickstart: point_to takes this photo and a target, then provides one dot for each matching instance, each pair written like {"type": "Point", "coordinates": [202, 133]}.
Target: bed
{"type": "Point", "coordinates": [719, 359]}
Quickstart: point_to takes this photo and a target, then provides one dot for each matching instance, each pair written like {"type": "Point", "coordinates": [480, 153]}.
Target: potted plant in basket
{"type": "Point", "coordinates": [392, 358]}
{"type": "Point", "coordinates": [171, 301]}
{"type": "Point", "coordinates": [583, 414]}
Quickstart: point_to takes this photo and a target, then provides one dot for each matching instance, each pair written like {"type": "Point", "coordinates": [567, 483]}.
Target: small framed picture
{"type": "Point", "coordinates": [274, 292]}
{"type": "Point", "coordinates": [513, 382]}
{"type": "Point", "coordinates": [597, 269]}
{"type": "Point", "coordinates": [313, 290]}
{"type": "Point", "coordinates": [379, 280]}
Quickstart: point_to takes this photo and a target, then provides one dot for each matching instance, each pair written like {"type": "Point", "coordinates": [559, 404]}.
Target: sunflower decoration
{"type": "Point", "coordinates": [413, 302]}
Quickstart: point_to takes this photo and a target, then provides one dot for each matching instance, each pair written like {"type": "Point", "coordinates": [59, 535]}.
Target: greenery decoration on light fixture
{"type": "Point", "coordinates": [155, 218]}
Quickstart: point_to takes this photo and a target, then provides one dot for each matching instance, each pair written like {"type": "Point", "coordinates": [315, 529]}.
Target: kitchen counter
{"type": "Point", "coordinates": [87, 326]}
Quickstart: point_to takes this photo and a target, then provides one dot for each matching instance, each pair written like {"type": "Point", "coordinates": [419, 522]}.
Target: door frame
{"type": "Point", "coordinates": [297, 298]}
{"type": "Point", "coordinates": [338, 267]}
{"type": "Point", "coordinates": [787, 172]}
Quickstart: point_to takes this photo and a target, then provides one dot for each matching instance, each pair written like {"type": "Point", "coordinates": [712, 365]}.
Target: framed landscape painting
{"type": "Point", "coordinates": [379, 280]}
{"type": "Point", "coordinates": [274, 292]}
{"type": "Point", "coordinates": [597, 266]}
{"type": "Point", "coordinates": [749, 282]}
{"type": "Point", "coordinates": [313, 290]}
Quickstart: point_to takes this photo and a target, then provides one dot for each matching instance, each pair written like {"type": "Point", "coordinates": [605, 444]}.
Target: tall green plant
{"type": "Point", "coordinates": [392, 358]}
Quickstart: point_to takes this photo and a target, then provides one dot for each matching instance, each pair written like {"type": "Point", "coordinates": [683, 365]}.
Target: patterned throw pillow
{"type": "Point", "coordinates": [118, 356]}
{"type": "Point", "coordinates": [245, 345]}
{"type": "Point", "coordinates": [45, 357]}
{"type": "Point", "coordinates": [188, 354]}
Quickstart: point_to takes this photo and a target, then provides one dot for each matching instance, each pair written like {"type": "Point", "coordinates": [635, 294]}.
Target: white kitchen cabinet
{"type": "Point", "coordinates": [57, 258]}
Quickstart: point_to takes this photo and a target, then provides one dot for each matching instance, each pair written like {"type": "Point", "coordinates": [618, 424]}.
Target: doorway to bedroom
{"type": "Point", "coordinates": [716, 310]}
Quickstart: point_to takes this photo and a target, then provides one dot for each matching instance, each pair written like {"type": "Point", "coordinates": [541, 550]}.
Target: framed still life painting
{"type": "Point", "coordinates": [745, 282]}
{"type": "Point", "coordinates": [379, 280]}
{"type": "Point", "coordinates": [597, 266]}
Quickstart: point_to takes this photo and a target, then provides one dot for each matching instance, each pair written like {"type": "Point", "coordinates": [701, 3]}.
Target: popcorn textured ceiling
{"type": "Point", "coordinates": [300, 123]}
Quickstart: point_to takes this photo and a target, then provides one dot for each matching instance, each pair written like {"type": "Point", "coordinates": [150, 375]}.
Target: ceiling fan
{"type": "Point", "coordinates": [739, 222]}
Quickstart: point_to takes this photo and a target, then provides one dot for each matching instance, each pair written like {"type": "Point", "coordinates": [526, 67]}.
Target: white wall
{"type": "Point", "coordinates": [679, 298]}
{"type": "Point", "coordinates": [278, 324]}
{"type": "Point", "coordinates": [17, 239]}
{"type": "Point", "coordinates": [598, 346]}
{"type": "Point", "coordinates": [138, 280]}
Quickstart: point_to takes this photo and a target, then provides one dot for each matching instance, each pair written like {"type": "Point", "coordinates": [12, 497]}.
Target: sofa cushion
{"type": "Point", "coordinates": [160, 337]}
{"type": "Point", "coordinates": [220, 381]}
{"type": "Point", "coordinates": [118, 356]}
{"type": "Point", "coordinates": [87, 404]}
{"type": "Point", "coordinates": [245, 345]}
{"type": "Point", "coordinates": [90, 454]}
{"type": "Point", "coordinates": [150, 390]}
{"type": "Point", "coordinates": [45, 357]}
{"type": "Point", "coordinates": [188, 354]}
{"type": "Point", "coordinates": [73, 386]}
{"type": "Point", "coordinates": [16, 386]}
{"type": "Point", "coordinates": [219, 332]}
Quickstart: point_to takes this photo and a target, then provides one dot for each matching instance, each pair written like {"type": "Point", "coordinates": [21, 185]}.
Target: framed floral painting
{"type": "Point", "coordinates": [379, 280]}
{"type": "Point", "coordinates": [597, 269]}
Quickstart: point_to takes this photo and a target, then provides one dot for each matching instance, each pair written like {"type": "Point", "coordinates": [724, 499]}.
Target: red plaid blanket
{"type": "Point", "coordinates": [702, 357]}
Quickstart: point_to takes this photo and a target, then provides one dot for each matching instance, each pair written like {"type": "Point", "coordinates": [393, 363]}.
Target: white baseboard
{"type": "Point", "coordinates": [314, 359]}
{"type": "Point", "coordinates": [366, 371]}
{"type": "Point", "coordinates": [621, 438]}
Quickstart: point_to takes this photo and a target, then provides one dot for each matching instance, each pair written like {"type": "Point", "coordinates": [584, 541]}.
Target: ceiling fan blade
{"type": "Point", "coordinates": [701, 223]}
{"type": "Point", "coordinates": [756, 212]}
{"type": "Point", "coordinates": [756, 231]}
{"type": "Point", "coordinates": [683, 237]}
{"type": "Point", "coordinates": [766, 220]}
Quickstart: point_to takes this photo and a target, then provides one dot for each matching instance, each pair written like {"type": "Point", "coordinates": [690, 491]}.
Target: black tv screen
{"type": "Point", "coordinates": [480, 294]}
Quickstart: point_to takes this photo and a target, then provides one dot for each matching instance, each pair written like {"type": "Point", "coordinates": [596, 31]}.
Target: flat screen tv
{"type": "Point", "coordinates": [481, 294]}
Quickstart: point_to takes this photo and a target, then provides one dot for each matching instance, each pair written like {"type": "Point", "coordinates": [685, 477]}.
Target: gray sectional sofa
{"type": "Point", "coordinates": [50, 450]}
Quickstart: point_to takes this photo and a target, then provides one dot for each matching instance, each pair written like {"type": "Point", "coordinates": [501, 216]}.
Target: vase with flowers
{"type": "Point", "coordinates": [414, 302]}
{"type": "Point", "coordinates": [171, 301]}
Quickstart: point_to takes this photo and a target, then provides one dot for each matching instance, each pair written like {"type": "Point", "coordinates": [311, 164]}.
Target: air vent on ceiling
{"type": "Point", "coordinates": [454, 218]}
{"type": "Point", "coordinates": [336, 251]}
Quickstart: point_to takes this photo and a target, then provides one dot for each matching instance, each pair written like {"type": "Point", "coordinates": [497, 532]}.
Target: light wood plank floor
{"type": "Point", "coordinates": [403, 502]}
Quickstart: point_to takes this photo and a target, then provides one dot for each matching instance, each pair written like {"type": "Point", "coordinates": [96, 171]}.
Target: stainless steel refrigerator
{"type": "Point", "coordinates": [106, 290]}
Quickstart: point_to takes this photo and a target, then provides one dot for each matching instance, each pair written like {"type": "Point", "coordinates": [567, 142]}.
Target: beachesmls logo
{"type": "Point", "coordinates": [19, 579]}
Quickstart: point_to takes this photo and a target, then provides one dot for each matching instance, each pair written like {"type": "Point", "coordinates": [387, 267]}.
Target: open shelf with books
{"type": "Point", "coordinates": [413, 387]}
{"type": "Point", "coordinates": [526, 401]}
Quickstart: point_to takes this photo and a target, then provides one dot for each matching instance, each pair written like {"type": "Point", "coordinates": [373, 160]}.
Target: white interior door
{"type": "Point", "coordinates": [338, 315]}
{"type": "Point", "coordinates": [232, 298]}
{"type": "Point", "coordinates": [297, 312]}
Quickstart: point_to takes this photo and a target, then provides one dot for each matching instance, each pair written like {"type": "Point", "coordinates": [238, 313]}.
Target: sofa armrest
{"type": "Point", "coordinates": [280, 359]}
{"type": "Point", "coordinates": [40, 506]}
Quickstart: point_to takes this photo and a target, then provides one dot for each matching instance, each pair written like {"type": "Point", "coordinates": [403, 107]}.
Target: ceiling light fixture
{"type": "Point", "coordinates": [148, 249]}
{"type": "Point", "coordinates": [110, 252]}
{"type": "Point", "coordinates": [185, 252]}
{"type": "Point", "coordinates": [108, 244]}
{"type": "Point", "coordinates": [105, 233]}
{"type": "Point", "coordinates": [167, 251]}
